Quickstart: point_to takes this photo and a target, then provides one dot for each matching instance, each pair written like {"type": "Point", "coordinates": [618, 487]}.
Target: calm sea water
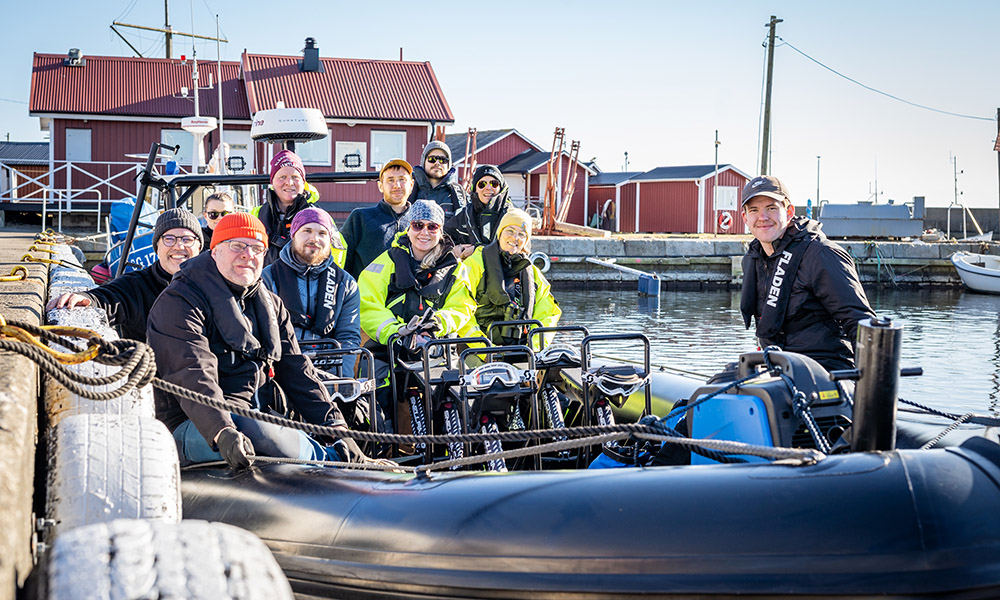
{"type": "Point", "coordinates": [953, 334]}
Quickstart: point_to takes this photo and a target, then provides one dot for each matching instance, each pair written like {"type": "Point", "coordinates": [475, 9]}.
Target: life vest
{"type": "Point", "coordinates": [286, 284]}
{"type": "Point", "coordinates": [410, 294]}
{"type": "Point", "coordinates": [504, 298]}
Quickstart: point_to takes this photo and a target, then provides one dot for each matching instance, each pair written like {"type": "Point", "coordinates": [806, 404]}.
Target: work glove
{"type": "Point", "coordinates": [410, 327]}
{"type": "Point", "coordinates": [235, 448]}
{"type": "Point", "coordinates": [349, 451]}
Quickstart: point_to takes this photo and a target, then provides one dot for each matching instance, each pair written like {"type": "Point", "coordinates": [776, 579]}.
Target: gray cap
{"type": "Point", "coordinates": [435, 145]}
{"type": "Point", "coordinates": [174, 218]}
{"type": "Point", "coordinates": [426, 210]}
{"type": "Point", "coordinates": [766, 185]}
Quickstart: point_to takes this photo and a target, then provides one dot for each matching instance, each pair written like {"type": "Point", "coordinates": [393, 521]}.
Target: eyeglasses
{"type": "Point", "coordinates": [428, 225]}
{"type": "Point", "coordinates": [438, 159]}
{"type": "Point", "coordinates": [493, 183]}
{"type": "Point", "coordinates": [514, 232]}
{"type": "Point", "coordinates": [217, 214]}
{"type": "Point", "coordinates": [185, 240]}
{"type": "Point", "coordinates": [240, 247]}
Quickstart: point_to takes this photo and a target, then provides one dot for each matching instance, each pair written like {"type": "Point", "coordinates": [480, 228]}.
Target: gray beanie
{"type": "Point", "coordinates": [435, 145]}
{"type": "Point", "coordinates": [174, 218]}
{"type": "Point", "coordinates": [426, 210]}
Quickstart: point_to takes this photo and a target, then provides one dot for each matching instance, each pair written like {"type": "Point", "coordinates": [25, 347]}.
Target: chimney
{"type": "Point", "coordinates": [73, 59]}
{"type": "Point", "coordinates": [310, 58]}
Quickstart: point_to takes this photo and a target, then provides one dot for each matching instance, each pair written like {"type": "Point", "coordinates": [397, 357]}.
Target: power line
{"type": "Point", "coordinates": [14, 101]}
{"type": "Point", "coordinates": [886, 94]}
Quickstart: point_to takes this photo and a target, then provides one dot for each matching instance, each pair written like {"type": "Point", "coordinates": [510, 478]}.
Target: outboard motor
{"type": "Point", "coordinates": [793, 398]}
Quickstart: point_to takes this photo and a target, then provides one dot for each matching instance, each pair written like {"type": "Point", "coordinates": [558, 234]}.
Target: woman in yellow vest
{"type": "Point", "coordinates": [506, 286]}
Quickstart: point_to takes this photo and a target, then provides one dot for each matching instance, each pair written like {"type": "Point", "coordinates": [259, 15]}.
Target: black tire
{"type": "Point", "coordinates": [107, 467]}
{"type": "Point", "coordinates": [151, 559]}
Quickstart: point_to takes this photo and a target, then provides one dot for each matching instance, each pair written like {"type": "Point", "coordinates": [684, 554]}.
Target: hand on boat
{"type": "Point", "coordinates": [235, 448]}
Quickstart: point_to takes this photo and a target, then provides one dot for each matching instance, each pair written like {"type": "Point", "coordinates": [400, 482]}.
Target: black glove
{"type": "Point", "coordinates": [348, 451]}
{"type": "Point", "coordinates": [235, 448]}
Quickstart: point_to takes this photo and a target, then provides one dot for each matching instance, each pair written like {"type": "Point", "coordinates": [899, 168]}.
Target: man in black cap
{"type": "Point", "coordinates": [801, 289]}
{"type": "Point", "coordinates": [437, 180]}
{"type": "Point", "coordinates": [127, 299]}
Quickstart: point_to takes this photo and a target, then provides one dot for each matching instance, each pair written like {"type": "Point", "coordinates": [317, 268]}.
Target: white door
{"type": "Point", "coordinates": [515, 185]}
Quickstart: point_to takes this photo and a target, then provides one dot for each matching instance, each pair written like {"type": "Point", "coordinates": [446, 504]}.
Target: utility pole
{"type": "Point", "coordinates": [169, 35]}
{"type": "Point", "coordinates": [715, 185]}
{"type": "Point", "coordinates": [765, 145]}
{"type": "Point", "coordinates": [817, 183]}
{"type": "Point", "coordinates": [996, 148]}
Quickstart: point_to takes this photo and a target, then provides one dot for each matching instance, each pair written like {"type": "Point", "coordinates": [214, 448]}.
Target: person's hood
{"type": "Point", "coordinates": [798, 228]}
{"type": "Point", "coordinates": [499, 198]}
{"type": "Point", "coordinates": [288, 257]}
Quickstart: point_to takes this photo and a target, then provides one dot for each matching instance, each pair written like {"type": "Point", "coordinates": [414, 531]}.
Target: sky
{"type": "Point", "coordinates": [655, 79]}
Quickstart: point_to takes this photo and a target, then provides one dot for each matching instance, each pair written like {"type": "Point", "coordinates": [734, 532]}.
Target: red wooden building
{"type": "Point", "coordinates": [673, 199]}
{"type": "Point", "coordinates": [100, 109]}
{"type": "Point", "coordinates": [524, 165]}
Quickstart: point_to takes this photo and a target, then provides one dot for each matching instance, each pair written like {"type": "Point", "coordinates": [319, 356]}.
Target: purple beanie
{"type": "Point", "coordinates": [287, 158]}
{"type": "Point", "coordinates": [313, 215]}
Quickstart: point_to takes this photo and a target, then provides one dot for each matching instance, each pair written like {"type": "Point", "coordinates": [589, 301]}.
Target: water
{"type": "Point", "coordinates": [953, 334]}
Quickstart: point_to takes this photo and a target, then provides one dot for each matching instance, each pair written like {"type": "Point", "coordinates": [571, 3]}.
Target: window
{"type": "Point", "coordinates": [387, 145]}
{"type": "Point", "coordinates": [179, 137]}
{"type": "Point", "coordinates": [725, 197]}
{"type": "Point", "coordinates": [316, 152]}
{"type": "Point", "coordinates": [78, 145]}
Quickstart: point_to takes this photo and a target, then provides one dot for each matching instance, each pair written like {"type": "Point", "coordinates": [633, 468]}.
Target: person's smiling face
{"type": "Point", "coordinates": [175, 246]}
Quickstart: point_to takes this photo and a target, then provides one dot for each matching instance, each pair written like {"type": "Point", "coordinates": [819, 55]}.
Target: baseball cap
{"type": "Point", "coordinates": [396, 162]}
{"type": "Point", "coordinates": [766, 185]}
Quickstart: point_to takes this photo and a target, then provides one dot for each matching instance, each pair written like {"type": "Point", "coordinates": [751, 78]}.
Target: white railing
{"type": "Point", "coordinates": [90, 188]}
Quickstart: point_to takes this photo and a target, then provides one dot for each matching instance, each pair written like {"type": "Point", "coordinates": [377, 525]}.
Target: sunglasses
{"type": "Point", "coordinates": [217, 214]}
{"type": "Point", "coordinates": [438, 159]}
{"type": "Point", "coordinates": [493, 183]}
{"type": "Point", "coordinates": [421, 225]}
{"type": "Point", "coordinates": [184, 240]}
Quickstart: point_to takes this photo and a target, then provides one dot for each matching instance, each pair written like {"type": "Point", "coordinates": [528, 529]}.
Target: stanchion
{"type": "Point", "coordinates": [878, 352]}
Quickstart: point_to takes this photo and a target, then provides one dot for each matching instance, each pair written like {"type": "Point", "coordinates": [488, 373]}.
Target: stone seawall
{"type": "Point", "coordinates": [697, 262]}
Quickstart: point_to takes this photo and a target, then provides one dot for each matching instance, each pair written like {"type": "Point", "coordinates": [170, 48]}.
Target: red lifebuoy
{"type": "Point", "coordinates": [725, 221]}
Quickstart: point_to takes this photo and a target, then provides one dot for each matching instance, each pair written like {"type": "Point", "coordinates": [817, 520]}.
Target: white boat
{"type": "Point", "coordinates": [979, 272]}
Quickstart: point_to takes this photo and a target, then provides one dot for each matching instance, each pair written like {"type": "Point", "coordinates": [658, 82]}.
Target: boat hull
{"type": "Point", "coordinates": [979, 272]}
{"type": "Point", "coordinates": [904, 523]}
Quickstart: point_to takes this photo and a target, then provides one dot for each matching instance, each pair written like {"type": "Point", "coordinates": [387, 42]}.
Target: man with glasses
{"type": "Point", "coordinates": [217, 206]}
{"type": "Point", "coordinates": [218, 331]}
{"type": "Point", "coordinates": [437, 180]}
{"type": "Point", "coordinates": [476, 223]}
{"type": "Point", "coordinates": [127, 299]}
{"type": "Point", "coordinates": [368, 232]}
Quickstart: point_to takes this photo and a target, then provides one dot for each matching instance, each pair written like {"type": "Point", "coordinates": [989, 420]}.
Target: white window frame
{"type": "Point", "coordinates": [179, 137]}
{"type": "Point", "coordinates": [316, 153]}
{"type": "Point", "coordinates": [378, 153]}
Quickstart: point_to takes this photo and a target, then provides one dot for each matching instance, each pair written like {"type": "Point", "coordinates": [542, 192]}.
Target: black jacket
{"type": "Point", "coordinates": [823, 305]}
{"type": "Point", "coordinates": [222, 341]}
{"type": "Point", "coordinates": [278, 227]}
{"type": "Point", "coordinates": [127, 299]}
{"type": "Point", "coordinates": [369, 232]}
{"type": "Point", "coordinates": [449, 193]}
{"type": "Point", "coordinates": [477, 223]}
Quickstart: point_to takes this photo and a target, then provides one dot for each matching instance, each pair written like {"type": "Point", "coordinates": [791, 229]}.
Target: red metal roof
{"type": "Point", "coordinates": [348, 88]}
{"type": "Point", "coordinates": [126, 86]}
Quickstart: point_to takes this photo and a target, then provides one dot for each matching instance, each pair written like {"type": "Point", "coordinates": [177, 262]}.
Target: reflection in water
{"type": "Point", "coordinates": [954, 335]}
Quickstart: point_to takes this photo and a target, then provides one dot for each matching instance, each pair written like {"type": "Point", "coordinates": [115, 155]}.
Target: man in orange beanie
{"type": "Point", "coordinates": [218, 331]}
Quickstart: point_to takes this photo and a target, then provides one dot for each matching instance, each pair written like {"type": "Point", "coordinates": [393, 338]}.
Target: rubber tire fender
{"type": "Point", "coordinates": [105, 467]}
{"type": "Point", "coordinates": [129, 558]}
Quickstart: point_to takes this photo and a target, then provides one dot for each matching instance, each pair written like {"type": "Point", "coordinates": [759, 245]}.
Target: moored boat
{"type": "Point", "coordinates": [979, 272]}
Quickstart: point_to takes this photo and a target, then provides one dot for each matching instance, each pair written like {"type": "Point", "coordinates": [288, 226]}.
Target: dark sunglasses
{"type": "Point", "coordinates": [421, 225]}
{"type": "Point", "coordinates": [217, 214]}
{"type": "Point", "coordinates": [438, 159]}
{"type": "Point", "coordinates": [493, 183]}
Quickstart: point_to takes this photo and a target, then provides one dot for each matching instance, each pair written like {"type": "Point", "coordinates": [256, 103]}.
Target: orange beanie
{"type": "Point", "coordinates": [239, 225]}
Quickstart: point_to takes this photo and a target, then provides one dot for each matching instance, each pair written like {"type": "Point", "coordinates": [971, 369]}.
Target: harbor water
{"type": "Point", "coordinates": [954, 335]}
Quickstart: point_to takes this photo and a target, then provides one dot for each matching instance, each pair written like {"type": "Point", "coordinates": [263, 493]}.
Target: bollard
{"type": "Point", "coordinates": [878, 351]}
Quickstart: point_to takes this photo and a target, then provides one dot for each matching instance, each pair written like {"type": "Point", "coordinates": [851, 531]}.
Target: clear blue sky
{"type": "Point", "coordinates": [655, 79]}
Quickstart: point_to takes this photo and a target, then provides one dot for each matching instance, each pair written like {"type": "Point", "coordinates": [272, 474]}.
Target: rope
{"type": "Point", "coordinates": [974, 418]}
{"type": "Point", "coordinates": [946, 431]}
{"type": "Point", "coordinates": [49, 261]}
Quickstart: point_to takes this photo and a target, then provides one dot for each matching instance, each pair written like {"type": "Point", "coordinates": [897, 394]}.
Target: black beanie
{"type": "Point", "coordinates": [174, 218]}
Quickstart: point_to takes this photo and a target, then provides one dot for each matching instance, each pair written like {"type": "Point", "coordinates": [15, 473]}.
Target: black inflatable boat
{"type": "Point", "coordinates": [900, 524]}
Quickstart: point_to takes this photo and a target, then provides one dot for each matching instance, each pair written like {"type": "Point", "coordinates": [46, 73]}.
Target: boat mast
{"type": "Point", "coordinates": [765, 145]}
